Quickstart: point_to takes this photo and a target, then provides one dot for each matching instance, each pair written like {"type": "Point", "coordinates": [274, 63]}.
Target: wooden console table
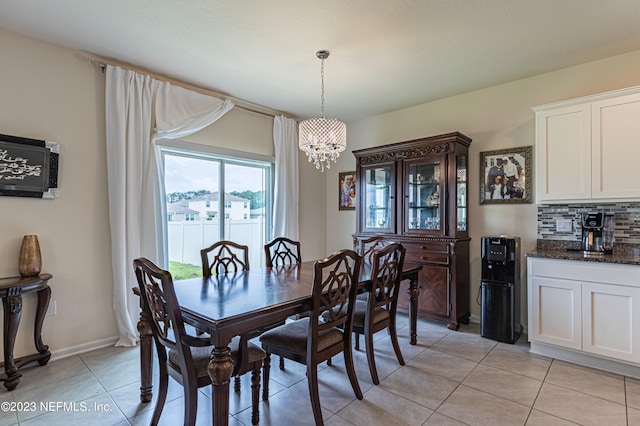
{"type": "Point", "coordinates": [11, 291]}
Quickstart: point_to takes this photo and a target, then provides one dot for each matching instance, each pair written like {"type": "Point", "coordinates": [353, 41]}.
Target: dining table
{"type": "Point", "coordinates": [247, 303]}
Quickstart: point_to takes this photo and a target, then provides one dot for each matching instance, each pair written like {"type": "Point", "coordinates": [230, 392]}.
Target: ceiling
{"type": "Point", "coordinates": [385, 54]}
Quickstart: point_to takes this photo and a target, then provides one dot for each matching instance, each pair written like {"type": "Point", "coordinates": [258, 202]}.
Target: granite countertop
{"type": "Point", "coordinates": [625, 254]}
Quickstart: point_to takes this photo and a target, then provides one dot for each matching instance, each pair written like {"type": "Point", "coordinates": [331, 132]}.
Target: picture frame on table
{"type": "Point", "coordinates": [506, 176]}
{"type": "Point", "coordinates": [347, 191]}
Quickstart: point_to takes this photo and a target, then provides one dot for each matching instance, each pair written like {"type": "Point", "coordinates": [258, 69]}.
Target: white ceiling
{"type": "Point", "coordinates": [385, 54]}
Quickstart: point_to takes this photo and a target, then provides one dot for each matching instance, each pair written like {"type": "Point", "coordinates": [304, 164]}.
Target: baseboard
{"type": "Point", "coordinates": [587, 360]}
{"type": "Point", "coordinates": [85, 347]}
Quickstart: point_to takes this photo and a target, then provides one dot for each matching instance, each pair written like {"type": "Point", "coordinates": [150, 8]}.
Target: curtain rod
{"type": "Point", "coordinates": [237, 102]}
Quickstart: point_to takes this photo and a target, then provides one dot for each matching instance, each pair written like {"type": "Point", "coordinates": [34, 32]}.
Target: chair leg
{"type": "Point", "coordinates": [371, 359]}
{"type": "Point", "coordinates": [357, 335]}
{"type": "Point", "coordinates": [236, 384]}
{"type": "Point", "coordinates": [394, 341]}
{"type": "Point", "coordinates": [329, 362]}
{"type": "Point", "coordinates": [255, 393]}
{"type": "Point", "coordinates": [351, 371]}
{"type": "Point", "coordinates": [266, 367]}
{"type": "Point", "coordinates": [162, 395]}
{"type": "Point", "coordinates": [190, 404]}
{"type": "Point", "coordinates": [312, 378]}
{"type": "Point", "coordinates": [281, 363]}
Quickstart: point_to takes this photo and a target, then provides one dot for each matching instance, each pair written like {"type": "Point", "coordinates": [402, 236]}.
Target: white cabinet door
{"type": "Point", "coordinates": [611, 321]}
{"type": "Point", "coordinates": [555, 310]}
{"type": "Point", "coordinates": [563, 153]}
{"type": "Point", "coordinates": [615, 147]}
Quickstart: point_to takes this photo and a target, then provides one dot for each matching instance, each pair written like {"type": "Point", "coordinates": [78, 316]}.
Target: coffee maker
{"type": "Point", "coordinates": [597, 232]}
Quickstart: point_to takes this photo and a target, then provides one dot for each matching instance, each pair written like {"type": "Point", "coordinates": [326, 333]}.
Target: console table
{"type": "Point", "coordinates": [11, 291]}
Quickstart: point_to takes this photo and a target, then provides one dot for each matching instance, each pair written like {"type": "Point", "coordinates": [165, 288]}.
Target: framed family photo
{"type": "Point", "coordinates": [506, 176]}
{"type": "Point", "coordinates": [347, 191]}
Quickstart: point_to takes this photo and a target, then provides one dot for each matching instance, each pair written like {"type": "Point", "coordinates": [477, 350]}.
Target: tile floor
{"type": "Point", "coordinates": [450, 378]}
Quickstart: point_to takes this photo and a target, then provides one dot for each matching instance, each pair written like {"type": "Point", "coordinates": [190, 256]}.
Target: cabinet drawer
{"type": "Point", "coordinates": [431, 253]}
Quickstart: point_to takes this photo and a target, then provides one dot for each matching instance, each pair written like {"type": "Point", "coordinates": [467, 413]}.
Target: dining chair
{"type": "Point", "coordinates": [282, 251]}
{"type": "Point", "coordinates": [378, 312]}
{"type": "Point", "coordinates": [184, 357]}
{"type": "Point", "coordinates": [312, 340]}
{"type": "Point", "coordinates": [223, 257]}
{"type": "Point", "coordinates": [366, 248]}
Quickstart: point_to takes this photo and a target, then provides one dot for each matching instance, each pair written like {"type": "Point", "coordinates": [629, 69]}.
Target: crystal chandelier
{"type": "Point", "coordinates": [322, 139]}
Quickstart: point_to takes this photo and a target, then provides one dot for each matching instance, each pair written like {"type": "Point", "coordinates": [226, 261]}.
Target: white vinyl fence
{"type": "Point", "coordinates": [186, 239]}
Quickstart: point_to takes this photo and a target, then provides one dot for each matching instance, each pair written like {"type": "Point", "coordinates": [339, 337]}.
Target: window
{"type": "Point", "coordinates": [215, 189]}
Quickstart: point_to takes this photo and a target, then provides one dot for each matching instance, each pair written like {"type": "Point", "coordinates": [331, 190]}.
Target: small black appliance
{"type": "Point", "coordinates": [500, 288]}
{"type": "Point", "coordinates": [597, 232]}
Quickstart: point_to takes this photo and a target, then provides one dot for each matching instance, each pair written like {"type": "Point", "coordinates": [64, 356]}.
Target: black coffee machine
{"type": "Point", "coordinates": [597, 233]}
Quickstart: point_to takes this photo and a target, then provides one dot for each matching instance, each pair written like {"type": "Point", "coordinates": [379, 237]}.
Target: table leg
{"type": "Point", "coordinates": [220, 370]}
{"type": "Point", "coordinates": [12, 307]}
{"type": "Point", "coordinates": [414, 291]}
{"type": "Point", "coordinates": [146, 357]}
{"type": "Point", "coordinates": [44, 296]}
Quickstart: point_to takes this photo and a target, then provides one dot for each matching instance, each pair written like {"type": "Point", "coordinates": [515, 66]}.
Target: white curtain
{"type": "Point", "coordinates": [140, 110]}
{"type": "Point", "coordinates": [285, 196]}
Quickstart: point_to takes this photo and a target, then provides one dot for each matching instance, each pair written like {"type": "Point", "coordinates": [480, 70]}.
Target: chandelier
{"type": "Point", "coordinates": [322, 139]}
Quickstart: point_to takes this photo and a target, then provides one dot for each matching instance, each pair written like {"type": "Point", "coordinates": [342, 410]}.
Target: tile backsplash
{"type": "Point", "coordinates": [627, 221]}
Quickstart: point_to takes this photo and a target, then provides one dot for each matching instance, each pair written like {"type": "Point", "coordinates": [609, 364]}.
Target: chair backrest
{"type": "Point", "coordinates": [282, 251]}
{"type": "Point", "coordinates": [161, 305]}
{"type": "Point", "coordinates": [223, 257]}
{"type": "Point", "coordinates": [368, 246]}
{"type": "Point", "coordinates": [387, 264]}
{"type": "Point", "coordinates": [335, 284]}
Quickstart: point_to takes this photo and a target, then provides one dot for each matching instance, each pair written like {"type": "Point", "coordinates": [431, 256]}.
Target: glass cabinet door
{"type": "Point", "coordinates": [379, 204]}
{"type": "Point", "coordinates": [462, 202]}
{"type": "Point", "coordinates": [423, 195]}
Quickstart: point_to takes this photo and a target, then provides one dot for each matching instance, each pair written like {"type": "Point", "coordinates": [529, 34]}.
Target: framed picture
{"type": "Point", "coordinates": [347, 191]}
{"type": "Point", "coordinates": [28, 167]}
{"type": "Point", "coordinates": [506, 176]}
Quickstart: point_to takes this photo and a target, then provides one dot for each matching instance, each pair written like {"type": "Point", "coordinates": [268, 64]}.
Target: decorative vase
{"type": "Point", "coordinates": [30, 261]}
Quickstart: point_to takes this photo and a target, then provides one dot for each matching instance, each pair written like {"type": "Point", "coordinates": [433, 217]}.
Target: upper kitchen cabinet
{"type": "Point", "coordinates": [586, 148]}
{"type": "Point", "coordinates": [415, 193]}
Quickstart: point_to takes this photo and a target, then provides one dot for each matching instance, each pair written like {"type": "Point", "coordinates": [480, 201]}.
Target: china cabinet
{"type": "Point", "coordinates": [415, 192]}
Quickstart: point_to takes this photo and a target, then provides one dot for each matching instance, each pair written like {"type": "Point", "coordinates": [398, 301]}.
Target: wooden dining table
{"type": "Point", "coordinates": [245, 303]}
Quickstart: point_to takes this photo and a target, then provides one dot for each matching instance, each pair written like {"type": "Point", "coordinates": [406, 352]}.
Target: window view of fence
{"type": "Point", "coordinates": [212, 198]}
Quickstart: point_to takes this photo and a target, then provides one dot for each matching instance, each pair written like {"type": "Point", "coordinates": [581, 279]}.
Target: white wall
{"type": "Point", "coordinates": [495, 118]}
{"type": "Point", "coordinates": [48, 93]}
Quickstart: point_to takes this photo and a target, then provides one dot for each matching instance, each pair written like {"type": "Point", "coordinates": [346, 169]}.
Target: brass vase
{"type": "Point", "coordinates": [30, 261]}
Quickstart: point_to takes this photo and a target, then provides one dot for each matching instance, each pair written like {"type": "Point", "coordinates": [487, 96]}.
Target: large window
{"type": "Point", "coordinates": [219, 197]}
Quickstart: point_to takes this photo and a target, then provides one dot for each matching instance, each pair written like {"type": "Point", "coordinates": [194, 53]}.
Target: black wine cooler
{"type": "Point", "coordinates": [500, 288]}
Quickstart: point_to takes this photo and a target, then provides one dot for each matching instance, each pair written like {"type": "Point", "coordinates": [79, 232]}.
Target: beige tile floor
{"type": "Point", "coordinates": [450, 378]}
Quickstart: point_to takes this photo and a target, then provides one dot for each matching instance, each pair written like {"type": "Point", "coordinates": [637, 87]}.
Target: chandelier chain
{"type": "Point", "coordinates": [322, 89]}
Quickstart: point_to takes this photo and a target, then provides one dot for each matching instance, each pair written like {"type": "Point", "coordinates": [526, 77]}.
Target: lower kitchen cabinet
{"type": "Point", "coordinates": [590, 308]}
{"type": "Point", "coordinates": [608, 326]}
